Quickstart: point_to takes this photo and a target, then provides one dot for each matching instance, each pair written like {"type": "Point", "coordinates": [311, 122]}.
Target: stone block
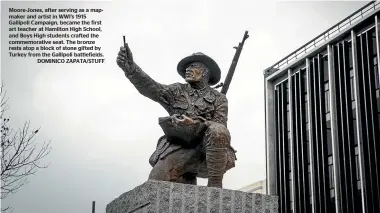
{"type": "Point", "coordinates": [162, 197]}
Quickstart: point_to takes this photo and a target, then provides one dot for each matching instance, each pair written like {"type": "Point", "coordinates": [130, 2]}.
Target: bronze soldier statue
{"type": "Point", "coordinates": [195, 102]}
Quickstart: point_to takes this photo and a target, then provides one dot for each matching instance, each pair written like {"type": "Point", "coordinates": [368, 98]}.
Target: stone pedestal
{"type": "Point", "coordinates": [162, 197]}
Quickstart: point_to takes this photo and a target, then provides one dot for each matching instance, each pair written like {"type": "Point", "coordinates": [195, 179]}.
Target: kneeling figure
{"type": "Point", "coordinates": [196, 141]}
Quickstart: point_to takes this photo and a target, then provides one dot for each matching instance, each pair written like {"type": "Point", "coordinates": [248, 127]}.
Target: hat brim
{"type": "Point", "coordinates": [209, 62]}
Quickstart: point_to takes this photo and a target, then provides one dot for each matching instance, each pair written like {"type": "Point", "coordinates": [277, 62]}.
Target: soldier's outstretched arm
{"type": "Point", "coordinates": [142, 81]}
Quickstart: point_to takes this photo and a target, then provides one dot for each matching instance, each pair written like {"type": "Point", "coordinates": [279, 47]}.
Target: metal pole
{"type": "Point", "coordinates": [93, 206]}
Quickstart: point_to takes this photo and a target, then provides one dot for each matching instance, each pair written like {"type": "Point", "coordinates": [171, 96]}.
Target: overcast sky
{"type": "Point", "coordinates": [103, 131]}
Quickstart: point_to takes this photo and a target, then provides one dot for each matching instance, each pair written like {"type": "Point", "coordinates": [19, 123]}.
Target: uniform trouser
{"type": "Point", "coordinates": [209, 160]}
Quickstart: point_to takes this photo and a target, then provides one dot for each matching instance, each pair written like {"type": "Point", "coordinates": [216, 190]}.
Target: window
{"type": "Point", "coordinates": [377, 77]}
{"type": "Point", "coordinates": [327, 100]}
{"type": "Point", "coordinates": [325, 69]}
{"type": "Point", "coordinates": [331, 177]}
{"type": "Point", "coordinates": [352, 90]}
{"type": "Point", "coordinates": [288, 119]}
{"type": "Point", "coordinates": [329, 142]}
{"type": "Point", "coordinates": [355, 131]}
{"type": "Point", "coordinates": [350, 55]}
{"type": "Point", "coordinates": [373, 37]}
{"type": "Point", "coordinates": [308, 155]}
{"type": "Point", "coordinates": [357, 166]}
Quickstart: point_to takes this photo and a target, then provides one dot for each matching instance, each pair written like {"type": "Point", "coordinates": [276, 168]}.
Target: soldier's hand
{"type": "Point", "coordinates": [125, 59]}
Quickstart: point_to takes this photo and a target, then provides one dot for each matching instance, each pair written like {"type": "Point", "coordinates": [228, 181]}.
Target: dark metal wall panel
{"type": "Point", "coordinates": [270, 138]}
{"type": "Point", "coordinates": [368, 171]}
{"type": "Point", "coordinates": [285, 146]}
{"type": "Point", "coordinates": [292, 123]}
{"type": "Point", "coordinates": [302, 146]}
{"type": "Point", "coordinates": [280, 175]}
{"type": "Point", "coordinates": [371, 118]}
{"type": "Point", "coordinates": [377, 51]}
{"type": "Point", "coordinates": [348, 145]}
{"type": "Point", "coordinates": [314, 139]}
{"type": "Point", "coordinates": [311, 133]}
{"type": "Point", "coordinates": [345, 145]}
{"type": "Point", "coordinates": [323, 137]}
{"type": "Point", "coordinates": [282, 145]}
{"type": "Point", "coordinates": [319, 136]}
{"type": "Point", "coordinates": [299, 144]}
{"type": "Point", "coordinates": [373, 112]}
{"type": "Point", "coordinates": [368, 119]}
{"type": "Point", "coordinates": [295, 154]}
{"type": "Point", "coordinates": [293, 139]}
{"type": "Point", "coordinates": [281, 151]}
{"type": "Point", "coordinates": [359, 121]}
{"type": "Point", "coordinates": [334, 106]}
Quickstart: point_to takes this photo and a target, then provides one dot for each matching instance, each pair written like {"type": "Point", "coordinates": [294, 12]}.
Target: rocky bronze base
{"type": "Point", "coordinates": [162, 197]}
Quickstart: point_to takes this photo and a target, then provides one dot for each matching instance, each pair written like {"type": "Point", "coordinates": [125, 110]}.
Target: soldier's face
{"type": "Point", "coordinates": [194, 72]}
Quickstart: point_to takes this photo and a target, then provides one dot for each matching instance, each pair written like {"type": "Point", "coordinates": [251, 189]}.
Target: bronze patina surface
{"type": "Point", "coordinates": [196, 141]}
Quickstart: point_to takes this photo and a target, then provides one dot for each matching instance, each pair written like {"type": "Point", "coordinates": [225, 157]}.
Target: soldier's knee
{"type": "Point", "coordinates": [167, 169]}
{"type": "Point", "coordinates": [165, 174]}
{"type": "Point", "coordinates": [217, 135]}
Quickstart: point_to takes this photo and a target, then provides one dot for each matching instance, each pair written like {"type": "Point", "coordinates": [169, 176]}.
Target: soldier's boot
{"type": "Point", "coordinates": [216, 159]}
{"type": "Point", "coordinates": [217, 139]}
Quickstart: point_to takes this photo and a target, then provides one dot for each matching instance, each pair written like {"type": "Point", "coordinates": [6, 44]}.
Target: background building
{"type": "Point", "coordinates": [257, 187]}
{"type": "Point", "coordinates": [322, 120]}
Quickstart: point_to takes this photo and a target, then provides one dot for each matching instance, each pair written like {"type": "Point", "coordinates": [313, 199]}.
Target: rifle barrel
{"type": "Point", "coordinates": [235, 60]}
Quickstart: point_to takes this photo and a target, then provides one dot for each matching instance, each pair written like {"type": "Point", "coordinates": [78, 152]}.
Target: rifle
{"type": "Point", "coordinates": [235, 60]}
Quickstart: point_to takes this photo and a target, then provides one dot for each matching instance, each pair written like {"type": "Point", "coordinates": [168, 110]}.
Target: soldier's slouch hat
{"type": "Point", "coordinates": [206, 60]}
